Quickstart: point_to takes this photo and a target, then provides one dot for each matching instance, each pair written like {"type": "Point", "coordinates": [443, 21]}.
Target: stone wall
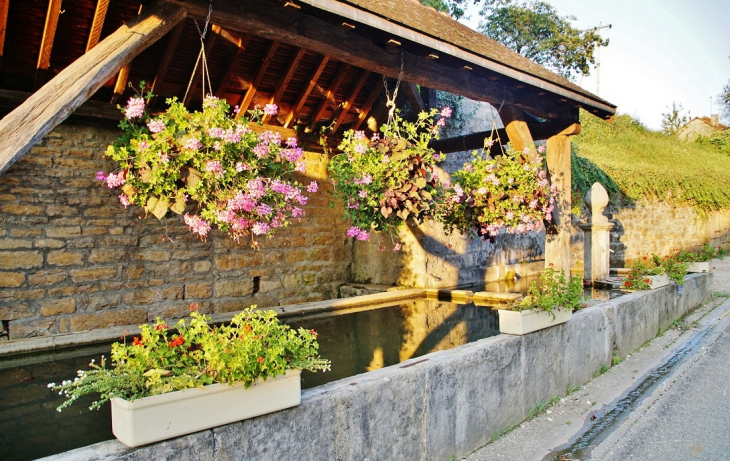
{"type": "Point", "coordinates": [655, 227]}
{"type": "Point", "coordinates": [73, 259]}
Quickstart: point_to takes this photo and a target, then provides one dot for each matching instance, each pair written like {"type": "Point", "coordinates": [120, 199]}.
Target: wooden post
{"type": "Point", "coordinates": [557, 237]}
{"type": "Point", "coordinates": [516, 128]}
{"type": "Point", "coordinates": [25, 126]}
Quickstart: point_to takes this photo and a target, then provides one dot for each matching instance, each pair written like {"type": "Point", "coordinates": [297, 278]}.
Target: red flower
{"type": "Point", "coordinates": [194, 307]}
{"type": "Point", "coordinates": [161, 326]}
{"type": "Point", "coordinates": [260, 360]}
{"type": "Point", "coordinates": [177, 341]}
{"type": "Point", "coordinates": [313, 333]}
{"type": "Point", "coordinates": [647, 281]}
{"type": "Point", "coordinates": [136, 341]}
{"type": "Point", "coordinates": [627, 283]}
{"type": "Point", "coordinates": [644, 258]}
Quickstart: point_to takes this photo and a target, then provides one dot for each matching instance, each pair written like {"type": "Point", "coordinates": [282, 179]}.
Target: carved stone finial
{"type": "Point", "coordinates": [597, 198]}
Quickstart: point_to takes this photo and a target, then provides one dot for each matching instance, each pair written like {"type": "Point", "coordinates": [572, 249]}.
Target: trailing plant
{"type": "Point", "coordinates": [384, 181]}
{"type": "Point", "coordinates": [557, 291]}
{"type": "Point", "coordinates": [641, 269]}
{"type": "Point", "coordinates": [254, 345]}
{"type": "Point", "coordinates": [241, 181]}
{"type": "Point", "coordinates": [511, 192]}
{"type": "Point", "coordinates": [699, 254]}
{"type": "Point", "coordinates": [676, 270]}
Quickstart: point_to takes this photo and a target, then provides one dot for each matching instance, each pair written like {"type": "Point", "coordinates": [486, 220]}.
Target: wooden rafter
{"type": "Point", "coordinates": [241, 44]}
{"type": "Point", "coordinates": [287, 26]}
{"type": "Point", "coordinates": [208, 48]}
{"type": "Point", "coordinates": [4, 6]}
{"type": "Point", "coordinates": [349, 100]}
{"type": "Point", "coordinates": [367, 105]}
{"type": "Point", "coordinates": [46, 108]}
{"type": "Point", "coordinates": [97, 24]}
{"type": "Point", "coordinates": [285, 79]}
{"type": "Point", "coordinates": [166, 59]}
{"type": "Point", "coordinates": [49, 33]}
{"type": "Point", "coordinates": [248, 97]}
{"type": "Point", "coordinates": [123, 77]}
{"type": "Point", "coordinates": [302, 98]}
{"type": "Point", "coordinates": [329, 95]}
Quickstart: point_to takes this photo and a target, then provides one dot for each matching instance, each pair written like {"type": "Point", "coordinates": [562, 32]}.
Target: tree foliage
{"type": "Point", "coordinates": [673, 119]}
{"type": "Point", "coordinates": [724, 100]}
{"type": "Point", "coordinates": [535, 30]}
{"type": "Point", "coordinates": [454, 7]}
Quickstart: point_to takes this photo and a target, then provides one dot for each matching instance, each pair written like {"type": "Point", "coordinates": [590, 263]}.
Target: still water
{"type": "Point", "coordinates": [356, 342]}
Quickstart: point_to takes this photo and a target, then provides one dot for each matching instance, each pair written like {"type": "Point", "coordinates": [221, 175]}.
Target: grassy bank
{"type": "Point", "coordinates": [635, 163]}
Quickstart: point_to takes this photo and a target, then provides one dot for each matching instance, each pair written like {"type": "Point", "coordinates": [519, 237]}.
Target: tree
{"type": "Point", "coordinates": [453, 7]}
{"type": "Point", "coordinates": [723, 99]}
{"type": "Point", "coordinates": [672, 120]}
{"type": "Point", "coordinates": [535, 30]}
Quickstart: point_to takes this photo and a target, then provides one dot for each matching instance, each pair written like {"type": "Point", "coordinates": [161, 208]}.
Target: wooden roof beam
{"type": "Point", "coordinates": [285, 79]}
{"type": "Point", "coordinates": [49, 34]}
{"type": "Point", "coordinates": [304, 94]}
{"type": "Point", "coordinates": [123, 77]}
{"type": "Point", "coordinates": [241, 45]}
{"type": "Point", "coordinates": [349, 100]}
{"type": "Point", "coordinates": [538, 130]}
{"type": "Point", "coordinates": [248, 97]}
{"type": "Point", "coordinates": [299, 29]}
{"type": "Point", "coordinates": [329, 95]}
{"type": "Point", "coordinates": [97, 24]}
{"type": "Point", "coordinates": [207, 49]}
{"type": "Point", "coordinates": [4, 6]}
{"type": "Point", "coordinates": [46, 108]}
{"type": "Point", "coordinates": [367, 106]}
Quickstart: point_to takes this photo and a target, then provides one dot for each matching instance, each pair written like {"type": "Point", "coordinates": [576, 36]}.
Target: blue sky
{"type": "Point", "coordinates": [660, 51]}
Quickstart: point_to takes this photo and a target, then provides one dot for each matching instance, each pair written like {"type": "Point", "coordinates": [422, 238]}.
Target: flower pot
{"type": "Point", "coordinates": [165, 416]}
{"type": "Point", "coordinates": [523, 322]}
{"type": "Point", "coordinates": [703, 266]}
{"type": "Point", "coordinates": [658, 281]}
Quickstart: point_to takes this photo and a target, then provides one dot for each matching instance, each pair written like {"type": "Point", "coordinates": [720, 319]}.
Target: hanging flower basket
{"type": "Point", "coordinates": [510, 192]}
{"type": "Point", "coordinates": [238, 180]}
{"type": "Point", "coordinates": [384, 182]}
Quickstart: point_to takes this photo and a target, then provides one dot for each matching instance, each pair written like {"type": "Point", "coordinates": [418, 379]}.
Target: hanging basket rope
{"type": "Point", "coordinates": [201, 56]}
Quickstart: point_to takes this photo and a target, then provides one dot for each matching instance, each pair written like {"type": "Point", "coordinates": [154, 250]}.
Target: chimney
{"type": "Point", "coordinates": [715, 119]}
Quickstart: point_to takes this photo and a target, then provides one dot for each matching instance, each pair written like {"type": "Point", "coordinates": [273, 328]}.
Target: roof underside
{"type": "Point", "coordinates": [250, 64]}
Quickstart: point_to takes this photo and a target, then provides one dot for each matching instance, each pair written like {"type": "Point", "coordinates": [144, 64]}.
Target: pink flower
{"type": "Point", "coordinates": [156, 126]}
{"type": "Point", "coordinates": [353, 231]}
{"type": "Point", "coordinates": [375, 137]}
{"type": "Point", "coordinates": [397, 247]}
{"type": "Point", "coordinates": [271, 109]}
{"type": "Point", "coordinates": [291, 142]}
{"type": "Point", "coordinates": [441, 122]}
{"type": "Point", "coordinates": [313, 187]}
{"type": "Point", "coordinates": [226, 216]}
{"type": "Point", "coordinates": [261, 150]}
{"type": "Point", "coordinates": [489, 142]}
{"type": "Point", "coordinates": [100, 176]}
{"type": "Point", "coordinates": [292, 155]}
{"type": "Point", "coordinates": [193, 144]}
{"type": "Point", "coordinates": [297, 212]}
{"type": "Point", "coordinates": [353, 205]}
{"type": "Point", "coordinates": [363, 193]}
{"type": "Point", "coordinates": [363, 236]}
{"type": "Point", "coordinates": [436, 156]}
{"type": "Point", "coordinates": [197, 225]}
{"type": "Point", "coordinates": [459, 191]}
{"type": "Point", "coordinates": [242, 167]}
{"type": "Point", "coordinates": [526, 151]}
{"type": "Point", "coordinates": [215, 167]}
{"type": "Point", "coordinates": [301, 167]}
{"type": "Point", "coordinates": [358, 135]}
{"type": "Point", "coordinates": [259, 228]}
{"type": "Point", "coordinates": [164, 158]}
{"type": "Point", "coordinates": [124, 200]}
{"type": "Point", "coordinates": [217, 133]}
{"type": "Point", "coordinates": [135, 108]}
{"type": "Point", "coordinates": [446, 112]}
{"type": "Point", "coordinates": [115, 180]}
{"type": "Point", "coordinates": [386, 159]}
{"type": "Point", "coordinates": [469, 167]}
{"type": "Point", "coordinates": [142, 145]}
{"type": "Point", "coordinates": [541, 150]}
{"type": "Point", "coordinates": [509, 215]}
{"type": "Point", "coordinates": [263, 210]}
{"type": "Point", "coordinates": [482, 190]}
{"type": "Point", "coordinates": [361, 148]}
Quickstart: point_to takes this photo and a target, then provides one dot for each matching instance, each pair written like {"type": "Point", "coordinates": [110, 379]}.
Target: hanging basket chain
{"type": "Point", "coordinates": [390, 100]}
{"type": "Point", "coordinates": [201, 55]}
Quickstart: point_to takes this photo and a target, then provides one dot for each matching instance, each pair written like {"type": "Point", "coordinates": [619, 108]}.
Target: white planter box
{"type": "Point", "coordinates": [658, 281]}
{"type": "Point", "coordinates": [523, 322]}
{"type": "Point", "coordinates": [164, 416]}
{"type": "Point", "coordinates": [699, 267]}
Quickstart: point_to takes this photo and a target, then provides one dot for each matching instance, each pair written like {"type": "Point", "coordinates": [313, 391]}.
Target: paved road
{"type": "Point", "coordinates": [686, 416]}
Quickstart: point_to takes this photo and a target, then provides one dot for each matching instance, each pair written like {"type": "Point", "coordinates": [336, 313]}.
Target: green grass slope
{"type": "Point", "coordinates": [635, 163]}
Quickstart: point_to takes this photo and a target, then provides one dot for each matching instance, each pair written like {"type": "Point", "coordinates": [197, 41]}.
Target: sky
{"type": "Point", "coordinates": [660, 51]}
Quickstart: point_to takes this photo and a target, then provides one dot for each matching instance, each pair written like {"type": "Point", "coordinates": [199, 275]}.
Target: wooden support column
{"type": "Point", "coordinates": [516, 127]}
{"type": "Point", "coordinates": [25, 126]}
{"type": "Point", "coordinates": [557, 236]}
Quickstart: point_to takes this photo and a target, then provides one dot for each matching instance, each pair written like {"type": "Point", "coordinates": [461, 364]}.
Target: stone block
{"type": "Point", "coordinates": [20, 295]}
{"type": "Point", "coordinates": [153, 295]}
{"type": "Point", "coordinates": [199, 290]}
{"type": "Point", "coordinates": [48, 243]}
{"type": "Point", "coordinates": [54, 307]}
{"type": "Point", "coordinates": [202, 266]}
{"type": "Point", "coordinates": [11, 279]}
{"type": "Point", "coordinates": [30, 328]}
{"type": "Point", "coordinates": [14, 244]}
{"type": "Point", "coordinates": [47, 277]}
{"type": "Point", "coordinates": [16, 311]}
{"type": "Point", "coordinates": [235, 287]}
{"type": "Point", "coordinates": [108, 318]}
{"type": "Point", "coordinates": [150, 255]}
{"type": "Point", "coordinates": [89, 275]}
{"type": "Point", "coordinates": [65, 258]}
{"type": "Point", "coordinates": [61, 210]}
{"type": "Point", "coordinates": [106, 255]}
{"type": "Point", "coordinates": [104, 301]}
{"type": "Point", "coordinates": [21, 259]}
{"type": "Point", "coordinates": [22, 209]}
{"type": "Point", "coordinates": [63, 232]}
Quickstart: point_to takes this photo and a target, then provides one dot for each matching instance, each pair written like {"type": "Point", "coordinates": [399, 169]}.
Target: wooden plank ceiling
{"type": "Point", "coordinates": [42, 37]}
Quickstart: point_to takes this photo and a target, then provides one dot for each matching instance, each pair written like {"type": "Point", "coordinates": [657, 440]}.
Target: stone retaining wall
{"type": "Point", "coordinates": [444, 404]}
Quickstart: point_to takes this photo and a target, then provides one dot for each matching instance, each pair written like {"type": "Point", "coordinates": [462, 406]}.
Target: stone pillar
{"type": "Point", "coordinates": [596, 236]}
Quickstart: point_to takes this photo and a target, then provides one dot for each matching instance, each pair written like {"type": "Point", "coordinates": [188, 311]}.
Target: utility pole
{"type": "Point", "coordinates": [598, 59]}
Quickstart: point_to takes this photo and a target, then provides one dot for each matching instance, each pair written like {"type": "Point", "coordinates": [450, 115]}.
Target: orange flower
{"type": "Point", "coordinates": [161, 326]}
{"type": "Point", "coordinates": [136, 341]}
{"type": "Point", "coordinates": [194, 307]}
{"type": "Point", "coordinates": [260, 360]}
{"type": "Point", "coordinates": [177, 341]}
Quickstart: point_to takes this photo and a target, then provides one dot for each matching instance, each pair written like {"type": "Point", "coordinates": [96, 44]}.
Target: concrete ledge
{"type": "Point", "coordinates": [440, 405]}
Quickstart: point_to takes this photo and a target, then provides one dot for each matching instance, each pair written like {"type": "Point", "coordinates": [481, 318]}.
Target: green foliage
{"type": "Point", "coordinates": [585, 173]}
{"type": "Point", "coordinates": [643, 164]}
{"type": "Point", "coordinates": [720, 141]}
{"type": "Point", "coordinates": [673, 119]}
{"type": "Point", "coordinates": [487, 195]}
{"type": "Point", "coordinates": [555, 292]}
{"type": "Point", "coordinates": [699, 254]}
{"type": "Point", "coordinates": [723, 99]}
{"type": "Point", "coordinates": [254, 345]}
{"type": "Point", "coordinates": [641, 269]}
{"type": "Point", "coordinates": [535, 30]}
{"type": "Point", "coordinates": [383, 182]}
{"type": "Point", "coordinates": [454, 7]}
